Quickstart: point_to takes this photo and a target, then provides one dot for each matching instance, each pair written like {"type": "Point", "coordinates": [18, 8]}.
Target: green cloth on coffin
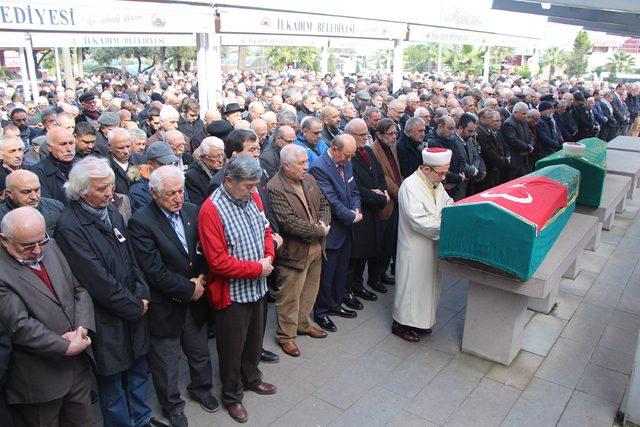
{"type": "Point", "coordinates": [513, 226]}
{"type": "Point", "coordinates": [592, 167]}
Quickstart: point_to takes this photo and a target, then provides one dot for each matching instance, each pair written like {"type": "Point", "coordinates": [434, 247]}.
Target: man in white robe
{"type": "Point", "coordinates": [421, 199]}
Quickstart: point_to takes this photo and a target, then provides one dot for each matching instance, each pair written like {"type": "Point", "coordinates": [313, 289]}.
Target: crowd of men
{"type": "Point", "coordinates": [136, 227]}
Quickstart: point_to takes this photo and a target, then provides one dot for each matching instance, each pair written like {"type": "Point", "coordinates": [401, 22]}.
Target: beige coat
{"type": "Point", "coordinates": [417, 279]}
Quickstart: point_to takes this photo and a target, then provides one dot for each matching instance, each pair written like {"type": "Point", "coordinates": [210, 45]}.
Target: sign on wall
{"type": "Point", "coordinates": [110, 40]}
{"type": "Point", "coordinates": [239, 20]}
{"type": "Point", "coordinates": [110, 16]}
{"type": "Point", "coordinates": [270, 40]}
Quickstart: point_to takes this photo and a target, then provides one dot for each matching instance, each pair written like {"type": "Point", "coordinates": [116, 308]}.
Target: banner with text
{"type": "Point", "coordinates": [107, 16]}
{"type": "Point", "coordinates": [239, 20]}
{"type": "Point", "coordinates": [110, 40]}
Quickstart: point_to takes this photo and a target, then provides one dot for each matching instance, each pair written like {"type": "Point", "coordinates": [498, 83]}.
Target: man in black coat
{"type": "Point", "coordinates": [366, 249]}
{"type": "Point", "coordinates": [565, 122]}
{"type": "Point", "coordinates": [584, 118]}
{"type": "Point", "coordinates": [270, 156]}
{"type": "Point", "coordinates": [548, 138]}
{"type": "Point", "coordinates": [620, 109]}
{"type": "Point", "coordinates": [440, 137]}
{"type": "Point", "coordinates": [53, 170]}
{"type": "Point", "coordinates": [410, 145]}
{"type": "Point", "coordinates": [203, 168]}
{"type": "Point", "coordinates": [92, 235]}
{"type": "Point", "coordinates": [119, 154]}
{"type": "Point", "coordinates": [190, 124]}
{"type": "Point", "coordinates": [164, 237]}
{"type": "Point", "coordinates": [492, 150]}
{"type": "Point", "coordinates": [519, 139]}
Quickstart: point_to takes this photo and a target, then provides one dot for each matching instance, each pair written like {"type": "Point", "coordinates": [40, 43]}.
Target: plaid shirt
{"type": "Point", "coordinates": [244, 229]}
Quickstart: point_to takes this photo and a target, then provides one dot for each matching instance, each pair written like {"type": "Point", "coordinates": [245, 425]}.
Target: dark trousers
{"type": "Point", "coordinates": [123, 396]}
{"type": "Point", "coordinates": [164, 358]}
{"type": "Point", "coordinates": [389, 242]}
{"type": "Point", "coordinates": [333, 279]}
{"type": "Point", "coordinates": [356, 272]}
{"type": "Point", "coordinates": [73, 409]}
{"type": "Point", "coordinates": [239, 332]}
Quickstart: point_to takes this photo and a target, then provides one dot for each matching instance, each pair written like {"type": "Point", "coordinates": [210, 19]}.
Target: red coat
{"type": "Point", "coordinates": [221, 265]}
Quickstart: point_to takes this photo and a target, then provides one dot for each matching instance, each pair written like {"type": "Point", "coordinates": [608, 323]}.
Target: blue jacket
{"type": "Point", "coordinates": [313, 153]}
{"type": "Point", "coordinates": [343, 198]}
{"type": "Point", "coordinates": [547, 138]}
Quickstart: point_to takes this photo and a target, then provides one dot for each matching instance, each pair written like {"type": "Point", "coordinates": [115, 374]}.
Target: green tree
{"type": "Point", "coordinates": [467, 58]}
{"type": "Point", "coordinates": [420, 58]}
{"type": "Point", "coordinates": [554, 58]}
{"type": "Point", "coordinates": [179, 56]}
{"type": "Point", "coordinates": [621, 62]}
{"type": "Point", "coordinates": [106, 55]}
{"type": "Point", "coordinates": [577, 62]}
{"type": "Point", "coordinates": [301, 57]}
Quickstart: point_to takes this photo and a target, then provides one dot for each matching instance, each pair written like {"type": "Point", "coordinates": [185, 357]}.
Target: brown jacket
{"type": "Point", "coordinates": [297, 231]}
{"type": "Point", "coordinates": [392, 188]}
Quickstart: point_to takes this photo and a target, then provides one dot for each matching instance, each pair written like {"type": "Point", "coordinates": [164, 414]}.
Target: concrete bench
{"type": "Point", "coordinates": [613, 200]}
{"type": "Point", "coordinates": [624, 163]}
{"type": "Point", "coordinates": [625, 143]}
{"type": "Point", "coordinates": [497, 304]}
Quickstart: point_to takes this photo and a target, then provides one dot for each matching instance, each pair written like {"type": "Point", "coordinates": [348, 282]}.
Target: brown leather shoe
{"type": "Point", "coordinates": [406, 334]}
{"type": "Point", "coordinates": [238, 412]}
{"type": "Point", "coordinates": [262, 388]}
{"type": "Point", "coordinates": [290, 348]}
{"type": "Point", "coordinates": [314, 332]}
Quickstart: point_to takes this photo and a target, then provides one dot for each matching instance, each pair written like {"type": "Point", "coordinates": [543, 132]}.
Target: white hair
{"type": "Point", "coordinates": [138, 133]}
{"type": "Point", "coordinates": [82, 172]}
{"type": "Point", "coordinates": [269, 115]}
{"type": "Point", "coordinates": [6, 138]}
{"type": "Point", "coordinates": [168, 112]}
{"type": "Point", "coordinates": [256, 105]}
{"type": "Point", "coordinates": [118, 133]}
{"type": "Point", "coordinates": [520, 106]}
{"type": "Point", "coordinates": [349, 127]}
{"type": "Point", "coordinates": [211, 142]}
{"type": "Point", "coordinates": [290, 153]}
{"type": "Point", "coordinates": [156, 181]}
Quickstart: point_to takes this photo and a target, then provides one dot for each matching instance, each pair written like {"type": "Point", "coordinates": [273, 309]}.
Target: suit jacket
{"type": "Point", "coordinates": [392, 186]}
{"type": "Point", "coordinates": [620, 110]}
{"type": "Point", "coordinates": [343, 197]}
{"type": "Point", "coordinates": [39, 371]}
{"type": "Point", "coordinates": [548, 139]}
{"type": "Point", "coordinates": [270, 159]}
{"type": "Point", "coordinates": [167, 267]}
{"type": "Point", "coordinates": [519, 139]}
{"type": "Point", "coordinates": [409, 155]}
{"type": "Point", "coordinates": [585, 120]}
{"type": "Point", "coordinates": [298, 231]}
{"type": "Point", "coordinates": [495, 159]}
{"type": "Point", "coordinates": [122, 180]}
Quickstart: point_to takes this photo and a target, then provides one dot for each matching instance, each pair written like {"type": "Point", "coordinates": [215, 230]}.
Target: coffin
{"type": "Point", "coordinates": [510, 228]}
{"type": "Point", "coordinates": [592, 166]}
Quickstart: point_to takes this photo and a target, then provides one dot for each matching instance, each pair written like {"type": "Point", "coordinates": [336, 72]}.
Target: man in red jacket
{"type": "Point", "coordinates": [237, 281]}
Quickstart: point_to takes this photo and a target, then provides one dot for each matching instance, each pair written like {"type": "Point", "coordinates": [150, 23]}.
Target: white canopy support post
{"type": "Point", "coordinates": [69, 81]}
{"type": "Point", "coordinates": [32, 68]}
{"type": "Point", "coordinates": [324, 66]}
{"type": "Point", "coordinates": [398, 64]}
{"type": "Point", "coordinates": [24, 73]}
{"type": "Point", "coordinates": [389, 56]}
{"type": "Point", "coordinates": [201, 63]}
{"type": "Point", "coordinates": [439, 68]}
{"type": "Point", "coordinates": [57, 59]}
{"type": "Point", "coordinates": [214, 68]}
{"type": "Point", "coordinates": [487, 61]}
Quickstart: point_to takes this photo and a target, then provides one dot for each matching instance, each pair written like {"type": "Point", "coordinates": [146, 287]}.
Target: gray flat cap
{"type": "Point", "coordinates": [109, 118]}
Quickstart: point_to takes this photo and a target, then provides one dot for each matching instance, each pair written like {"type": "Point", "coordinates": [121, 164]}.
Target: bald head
{"type": "Point", "coordinates": [23, 234]}
{"type": "Point", "coordinates": [176, 141]}
{"type": "Point", "coordinates": [211, 116]}
{"type": "Point", "coordinates": [23, 188]}
{"type": "Point", "coordinates": [343, 148]}
{"type": "Point", "coordinates": [259, 126]}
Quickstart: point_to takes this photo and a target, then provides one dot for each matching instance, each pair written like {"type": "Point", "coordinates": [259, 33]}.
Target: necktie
{"type": "Point", "coordinates": [179, 229]}
{"type": "Point", "coordinates": [365, 156]}
{"type": "Point", "coordinates": [341, 172]}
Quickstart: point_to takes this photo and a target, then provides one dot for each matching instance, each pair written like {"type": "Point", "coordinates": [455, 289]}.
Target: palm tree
{"type": "Point", "coordinates": [554, 57]}
{"type": "Point", "coordinates": [421, 58]}
{"type": "Point", "coordinates": [621, 62]}
{"type": "Point", "coordinates": [467, 58]}
{"type": "Point", "coordinates": [281, 57]}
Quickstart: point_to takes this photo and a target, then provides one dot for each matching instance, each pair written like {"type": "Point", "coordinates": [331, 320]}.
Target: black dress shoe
{"type": "Point", "coordinates": [344, 312]}
{"type": "Point", "coordinates": [351, 301]}
{"type": "Point", "coordinates": [421, 331]}
{"type": "Point", "coordinates": [378, 287]}
{"type": "Point", "coordinates": [269, 357]}
{"type": "Point", "coordinates": [326, 323]}
{"type": "Point", "coordinates": [178, 420]}
{"type": "Point", "coordinates": [365, 294]}
{"type": "Point", "coordinates": [388, 280]}
{"type": "Point", "coordinates": [208, 403]}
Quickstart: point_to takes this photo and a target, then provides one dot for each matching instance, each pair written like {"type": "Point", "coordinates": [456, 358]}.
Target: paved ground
{"type": "Point", "coordinates": [572, 371]}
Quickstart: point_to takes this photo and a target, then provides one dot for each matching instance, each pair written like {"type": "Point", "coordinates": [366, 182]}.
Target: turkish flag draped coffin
{"type": "Point", "coordinates": [511, 227]}
{"type": "Point", "coordinates": [592, 166]}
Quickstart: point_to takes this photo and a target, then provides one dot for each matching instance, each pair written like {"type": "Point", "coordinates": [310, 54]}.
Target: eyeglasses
{"type": "Point", "coordinates": [317, 133]}
{"type": "Point", "coordinates": [394, 133]}
{"type": "Point", "coordinates": [399, 112]}
{"type": "Point", "coordinates": [31, 246]}
{"type": "Point", "coordinates": [348, 156]}
{"type": "Point", "coordinates": [361, 134]}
